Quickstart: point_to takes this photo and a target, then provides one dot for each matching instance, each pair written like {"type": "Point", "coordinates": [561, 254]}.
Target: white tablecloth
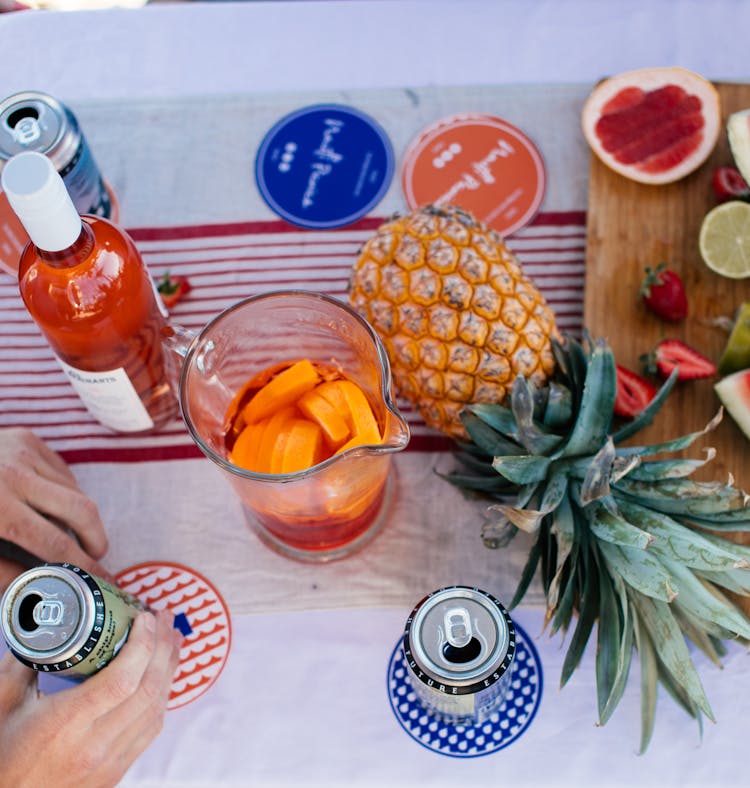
{"type": "Point", "coordinates": [317, 711]}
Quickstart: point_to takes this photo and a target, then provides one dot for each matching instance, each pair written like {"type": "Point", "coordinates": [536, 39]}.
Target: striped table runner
{"type": "Point", "coordinates": [225, 263]}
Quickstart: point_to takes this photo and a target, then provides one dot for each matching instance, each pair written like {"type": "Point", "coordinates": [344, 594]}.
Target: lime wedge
{"type": "Point", "coordinates": [724, 239]}
{"type": "Point", "coordinates": [736, 355]}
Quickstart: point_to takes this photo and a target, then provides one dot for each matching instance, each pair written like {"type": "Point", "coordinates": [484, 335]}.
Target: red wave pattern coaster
{"type": "Point", "coordinates": [481, 163]}
{"type": "Point", "coordinates": [200, 614]}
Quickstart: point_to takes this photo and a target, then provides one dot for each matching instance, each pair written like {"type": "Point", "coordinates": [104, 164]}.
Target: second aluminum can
{"type": "Point", "coordinates": [459, 643]}
{"type": "Point", "coordinates": [57, 618]}
{"type": "Point", "coordinates": [34, 121]}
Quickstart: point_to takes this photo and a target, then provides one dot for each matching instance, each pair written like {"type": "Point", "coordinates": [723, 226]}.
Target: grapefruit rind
{"type": "Point", "coordinates": [734, 393]}
{"type": "Point", "coordinates": [738, 136]}
{"type": "Point", "coordinates": [649, 79]}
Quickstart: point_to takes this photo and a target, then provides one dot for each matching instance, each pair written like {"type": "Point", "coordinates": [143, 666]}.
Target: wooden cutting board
{"type": "Point", "coordinates": [630, 226]}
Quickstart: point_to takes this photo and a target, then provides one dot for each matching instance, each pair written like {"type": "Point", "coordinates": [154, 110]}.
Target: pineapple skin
{"type": "Point", "coordinates": [459, 318]}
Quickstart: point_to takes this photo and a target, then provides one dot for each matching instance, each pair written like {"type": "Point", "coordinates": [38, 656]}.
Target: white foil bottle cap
{"type": "Point", "coordinates": [38, 196]}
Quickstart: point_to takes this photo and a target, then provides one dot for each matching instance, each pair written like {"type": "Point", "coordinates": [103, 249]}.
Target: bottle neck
{"type": "Point", "coordinates": [76, 253]}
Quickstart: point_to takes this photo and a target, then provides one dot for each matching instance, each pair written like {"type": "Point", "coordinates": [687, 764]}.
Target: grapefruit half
{"type": "Point", "coordinates": [653, 125]}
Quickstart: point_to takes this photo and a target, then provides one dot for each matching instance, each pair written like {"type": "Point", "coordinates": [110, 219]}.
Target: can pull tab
{"type": "Point", "coordinates": [27, 131]}
{"type": "Point", "coordinates": [48, 612]}
{"type": "Point", "coordinates": [461, 646]}
{"type": "Point", "coordinates": [457, 626]}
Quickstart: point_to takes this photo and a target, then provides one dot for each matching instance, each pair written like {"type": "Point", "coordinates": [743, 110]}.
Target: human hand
{"type": "Point", "coordinates": [89, 735]}
{"type": "Point", "coordinates": [40, 501]}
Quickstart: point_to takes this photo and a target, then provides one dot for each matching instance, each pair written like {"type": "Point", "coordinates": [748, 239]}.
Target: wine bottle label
{"type": "Point", "coordinates": [110, 397]}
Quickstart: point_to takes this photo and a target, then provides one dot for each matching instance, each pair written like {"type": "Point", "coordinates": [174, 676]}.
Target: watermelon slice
{"type": "Point", "coordinates": [653, 125]}
{"type": "Point", "coordinates": [738, 134]}
{"type": "Point", "coordinates": [734, 393]}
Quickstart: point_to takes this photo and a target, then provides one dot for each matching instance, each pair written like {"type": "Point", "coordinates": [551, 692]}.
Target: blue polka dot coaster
{"type": "Point", "coordinates": [503, 726]}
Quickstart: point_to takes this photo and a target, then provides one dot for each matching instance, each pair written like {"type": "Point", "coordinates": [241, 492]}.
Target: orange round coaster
{"type": "Point", "coordinates": [200, 614]}
{"type": "Point", "coordinates": [479, 162]}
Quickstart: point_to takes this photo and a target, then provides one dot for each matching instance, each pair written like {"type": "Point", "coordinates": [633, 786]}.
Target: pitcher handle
{"type": "Point", "coordinates": [176, 342]}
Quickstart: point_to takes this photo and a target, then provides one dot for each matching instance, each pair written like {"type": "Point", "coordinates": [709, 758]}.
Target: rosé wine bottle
{"type": "Point", "coordinates": [86, 286]}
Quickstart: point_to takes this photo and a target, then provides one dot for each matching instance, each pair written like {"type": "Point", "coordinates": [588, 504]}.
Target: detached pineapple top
{"type": "Point", "coordinates": [459, 318]}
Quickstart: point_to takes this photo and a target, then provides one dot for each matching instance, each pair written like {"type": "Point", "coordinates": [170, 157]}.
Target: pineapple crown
{"type": "Point", "coordinates": [627, 542]}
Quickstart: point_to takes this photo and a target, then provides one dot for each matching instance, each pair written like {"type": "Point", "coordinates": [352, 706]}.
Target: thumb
{"type": "Point", "coordinates": [17, 683]}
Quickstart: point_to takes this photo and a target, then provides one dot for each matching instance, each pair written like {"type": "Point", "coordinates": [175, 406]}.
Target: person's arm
{"type": "Point", "coordinates": [42, 509]}
{"type": "Point", "coordinates": [89, 735]}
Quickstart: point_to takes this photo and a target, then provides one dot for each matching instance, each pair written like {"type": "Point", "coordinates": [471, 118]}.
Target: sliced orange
{"type": "Point", "coordinates": [370, 437]}
{"type": "Point", "coordinates": [318, 409]}
{"type": "Point", "coordinates": [284, 389]}
{"type": "Point", "coordinates": [362, 419]}
{"type": "Point", "coordinates": [331, 392]}
{"type": "Point", "coordinates": [300, 448]}
{"type": "Point", "coordinates": [275, 425]}
{"type": "Point", "coordinates": [245, 450]}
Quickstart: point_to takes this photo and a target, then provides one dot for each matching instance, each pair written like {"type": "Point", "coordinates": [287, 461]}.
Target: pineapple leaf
{"type": "Point", "coordinates": [526, 469]}
{"type": "Point", "coordinates": [698, 635]}
{"type": "Point", "coordinates": [535, 438]}
{"type": "Point", "coordinates": [559, 410]}
{"type": "Point", "coordinates": [714, 501]}
{"type": "Point", "coordinates": [588, 610]}
{"type": "Point", "coordinates": [596, 481]}
{"type": "Point", "coordinates": [676, 542]}
{"type": "Point", "coordinates": [488, 439]}
{"type": "Point", "coordinates": [609, 635]}
{"type": "Point", "coordinates": [624, 654]}
{"type": "Point", "coordinates": [676, 444]}
{"type": "Point", "coordinates": [649, 681]}
{"type": "Point", "coordinates": [668, 469]}
{"type": "Point", "coordinates": [646, 416]}
{"type": "Point", "coordinates": [640, 569]}
{"type": "Point", "coordinates": [611, 528]}
{"type": "Point", "coordinates": [671, 649]}
{"type": "Point", "coordinates": [706, 606]}
{"type": "Point", "coordinates": [597, 403]}
{"type": "Point", "coordinates": [528, 573]}
{"type": "Point", "coordinates": [735, 580]}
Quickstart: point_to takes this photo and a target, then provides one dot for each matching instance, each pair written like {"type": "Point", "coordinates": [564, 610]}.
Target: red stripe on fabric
{"type": "Point", "coordinates": [418, 443]}
{"type": "Point", "coordinates": [553, 218]}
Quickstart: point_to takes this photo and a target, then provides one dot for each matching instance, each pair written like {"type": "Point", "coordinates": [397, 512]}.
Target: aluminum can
{"type": "Point", "coordinates": [56, 618]}
{"type": "Point", "coordinates": [459, 643]}
{"type": "Point", "coordinates": [33, 121]}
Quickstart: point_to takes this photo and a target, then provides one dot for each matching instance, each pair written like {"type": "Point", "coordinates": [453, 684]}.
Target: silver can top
{"type": "Point", "coordinates": [459, 637]}
{"type": "Point", "coordinates": [37, 122]}
{"type": "Point", "coordinates": [45, 614]}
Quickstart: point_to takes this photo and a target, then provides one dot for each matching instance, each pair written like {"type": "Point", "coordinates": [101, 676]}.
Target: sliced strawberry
{"type": "Point", "coordinates": [664, 294]}
{"type": "Point", "coordinates": [671, 353]}
{"type": "Point", "coordinates": [633, 393]}
{"type": "Point", "coordinates": [730, 185]}
{"type": "Point", "coordinates": [172, 288]}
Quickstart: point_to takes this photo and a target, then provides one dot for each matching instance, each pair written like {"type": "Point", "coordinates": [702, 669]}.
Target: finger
{"type": "Point", "coordinates": [17, 684]}
{"type": "Point", "coordinates": [68, 505]}
{"type": "Point", "coordinates": [33, 532]}
{"type": "Point", "coordinates": [118, 681]}
{"type": "Point", "coordinates": [28, 449]}
{"type": "Point", "coordinates": [139, 720]}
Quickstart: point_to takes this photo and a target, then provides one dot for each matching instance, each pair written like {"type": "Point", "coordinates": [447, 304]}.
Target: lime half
{"type": "Point", "coordinates": [725, 239]}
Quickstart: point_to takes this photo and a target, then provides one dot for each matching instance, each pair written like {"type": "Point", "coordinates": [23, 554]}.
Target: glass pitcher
{"type": "Point", "coordinates": [333, 508]}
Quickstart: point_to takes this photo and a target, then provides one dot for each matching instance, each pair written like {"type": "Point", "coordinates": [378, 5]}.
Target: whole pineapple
{"type": "Point", "coordinates": [458, 317]}
{"type": "Point", "coordinates": [623, 538]}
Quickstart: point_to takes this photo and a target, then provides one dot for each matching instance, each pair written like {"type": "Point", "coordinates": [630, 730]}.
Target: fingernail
{"type": "Point", "coordinates": [149, 622]}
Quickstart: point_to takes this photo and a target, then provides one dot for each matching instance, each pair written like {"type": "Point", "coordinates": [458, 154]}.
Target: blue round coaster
{"type": "Point", "coordinates": [324, 166]}
{"type": "Point", "coordinates": [470, 741]}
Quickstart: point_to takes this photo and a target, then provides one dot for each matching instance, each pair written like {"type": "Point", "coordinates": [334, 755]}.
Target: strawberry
{"type": "Point", "coordinates": [633, 393]}
{"type": "Point", "coordinates": [729, 185]}
{"type": "Point", "coordinates": [671, 353]}
{"type": "Point", "coordinates": [172, 288]}
{"type": "Point", "coordinates": [664, 294]}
